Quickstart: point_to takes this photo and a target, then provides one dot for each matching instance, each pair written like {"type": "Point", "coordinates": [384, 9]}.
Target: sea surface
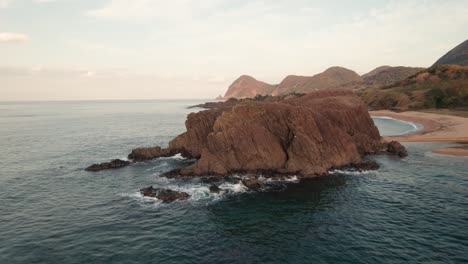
{"type": "Point", "coordinates": [412, 210]}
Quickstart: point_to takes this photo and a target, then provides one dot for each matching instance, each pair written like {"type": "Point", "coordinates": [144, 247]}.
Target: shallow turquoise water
{"type": "Point", "coordinates": [391, 127]}
{"type": "Point", "coordinates": [52, 211]}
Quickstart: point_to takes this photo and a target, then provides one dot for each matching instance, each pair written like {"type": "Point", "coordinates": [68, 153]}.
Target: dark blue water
{"type": "Point", "coordinates": [51, 211]}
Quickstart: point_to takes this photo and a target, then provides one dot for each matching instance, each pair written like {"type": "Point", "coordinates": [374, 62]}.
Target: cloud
{"type": "Point", "coordinates": [142, 9]}
{"type": "Point", "coordinates": [13, 37]}
{"type": "Point", "coordinates": [5, 3]}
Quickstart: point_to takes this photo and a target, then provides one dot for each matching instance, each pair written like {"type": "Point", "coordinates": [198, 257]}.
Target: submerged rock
{"type": "Point", "coordinates": [165, 195]}
{"type": "Point", "coordinates": [367, 165]}
{"type": "Point", "coordinates": [215, 189]}
{"type": "Point", "coordinates": [397, 148]}
{"type": "Point", "coordinates": [252, 183]}
{"type": "Point", "coordinates": [113, 164]}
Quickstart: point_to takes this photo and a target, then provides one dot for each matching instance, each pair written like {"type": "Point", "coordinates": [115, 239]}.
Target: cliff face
{"type": "Point", "coordinates": [246, 86]}
{"type": "Point", "coordinates": [458, 56]}
{"type": "Point", "coordinates": [304, 136]}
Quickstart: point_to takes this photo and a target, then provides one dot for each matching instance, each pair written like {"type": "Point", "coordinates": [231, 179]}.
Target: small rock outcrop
{"type": "Point", "coordinates": [395, 147]}
{"type": "Point", "coordinates": [113, 164]}
{"type": "Point", "coordinates": [215, 189]}
{"type": "Point", "coordinates": [252, 183]}
{"type": "Point", "coordinates": [165, 195]}
{"type": "Point", "coordinates": [367, 165]}
{"type": "Point", "coordinates": [142, 154]}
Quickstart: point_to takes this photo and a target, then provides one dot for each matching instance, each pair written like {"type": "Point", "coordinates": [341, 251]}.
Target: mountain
{"type": "Point", "coordinates": [376, 71]}
{"type": "Point", "coordinates": [458, 56]}
{"type": "Point", "coordinates": [386, 75]}
{"type": "Point", "coordinates": [333, 77]}
{"type": "Point", "coordinates": [441, 86]}
{"type": "Point", "coordinates": [247, 86]}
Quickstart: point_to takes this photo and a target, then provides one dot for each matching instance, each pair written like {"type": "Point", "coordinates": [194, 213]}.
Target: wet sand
{"type": "Point", "coordinates": [436, 128]}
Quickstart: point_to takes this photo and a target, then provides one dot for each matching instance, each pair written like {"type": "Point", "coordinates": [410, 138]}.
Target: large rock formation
{"type": "Point", "coordinates": [246, 87]}
{"type": "Point", "coordinates": [304, 136]}
{"type": "Point", "coordinates": [458, 56]}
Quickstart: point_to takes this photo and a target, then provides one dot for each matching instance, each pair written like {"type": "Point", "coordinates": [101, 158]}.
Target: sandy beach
{"type": "Point", "coordinates": [436, 128]}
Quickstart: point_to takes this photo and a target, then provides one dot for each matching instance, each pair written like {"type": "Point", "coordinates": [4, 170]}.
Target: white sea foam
{"type": "Point", "coordinates": [281, 179]}
{"type": "Point", "coordinates": [350, 172]}
{"type": "Point", "coordinates": [178, 156]}
{"type": "Point", "coordinates": [199, 192]}
{"type": "Point", "coordinates": [234, 187]}
{"type": "Point", "coordinates": [163, 164]}
{"type": "Point", "coordinates": [143, 200]}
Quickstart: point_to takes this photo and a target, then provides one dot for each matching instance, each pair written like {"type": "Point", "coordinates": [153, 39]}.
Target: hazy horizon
{"type": "Point", "coordinates": [70, 50]}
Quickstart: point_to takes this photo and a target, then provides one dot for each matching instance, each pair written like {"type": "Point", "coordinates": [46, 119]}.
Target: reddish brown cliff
{"type": "Point", "coordinates": [304, 136]}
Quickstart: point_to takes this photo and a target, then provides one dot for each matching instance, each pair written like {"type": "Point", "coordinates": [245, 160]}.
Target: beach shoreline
{"type": "Point", "coordinates": [435, 128]}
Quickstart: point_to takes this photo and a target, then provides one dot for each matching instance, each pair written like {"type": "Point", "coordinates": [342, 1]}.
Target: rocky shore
{"type": "Point", "coordinates": [304, 136]}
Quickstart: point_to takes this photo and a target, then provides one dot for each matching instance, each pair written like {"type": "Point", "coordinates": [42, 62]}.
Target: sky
{"type": "Point", "coordinates": [170, 49]}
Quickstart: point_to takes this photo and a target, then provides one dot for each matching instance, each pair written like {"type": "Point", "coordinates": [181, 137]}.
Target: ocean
{"type": "Point", "coordinates": [412, 210]}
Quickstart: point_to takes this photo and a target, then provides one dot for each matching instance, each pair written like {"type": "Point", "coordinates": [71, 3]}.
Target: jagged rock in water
{"type": "Point", "coordinates": [113, 164]}
{"type": "Point", "coordinates": [397, 148]}
{"type": "Point", "coordinates": [215, 189]}
{"type": "Point", "coordinates": [252, 183]}
{"type": "Point", "coordinates": [142, 154]}
{"type": "Point", "coordinates": [164, 195]}
{"type": "Point", "coordinates": [362, 166]}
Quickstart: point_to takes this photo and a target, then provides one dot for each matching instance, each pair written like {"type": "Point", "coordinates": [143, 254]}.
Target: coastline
{"type": "Point", "coordinates": [435, 128]}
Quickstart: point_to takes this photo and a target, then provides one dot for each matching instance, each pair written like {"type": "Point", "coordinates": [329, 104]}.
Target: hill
{"type": "Point", "coordinates": [442, 86]}
{"type": "Point", "coordinates": [333, 77]}
{"type": "Point", "coordinates": [458, 56]}
{"type": "Point", "coordinates": [386, 75]}
{"type": "Point", "coordinates": [247, 86]}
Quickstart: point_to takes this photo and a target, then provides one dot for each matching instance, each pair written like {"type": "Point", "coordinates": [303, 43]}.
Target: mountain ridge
{"type": "Point", "coordinates": [457, 55]}
{"type": "Point", "coordinates": [247, 86]}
